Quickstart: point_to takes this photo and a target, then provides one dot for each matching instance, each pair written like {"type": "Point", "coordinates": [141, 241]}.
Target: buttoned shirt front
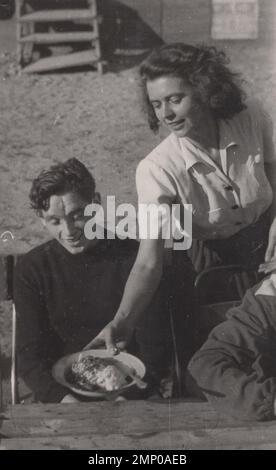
{"type": "Point", "coordinates": [226, 195]}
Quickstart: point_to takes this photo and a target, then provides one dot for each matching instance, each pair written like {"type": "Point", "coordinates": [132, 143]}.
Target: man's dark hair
{"type": "Point", "coordinates": [69, 176]}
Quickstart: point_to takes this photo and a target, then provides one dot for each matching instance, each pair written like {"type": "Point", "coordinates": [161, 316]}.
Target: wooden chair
{"type": "Point", "coordinates": [6, 293]}
{"type": "Point", "coordinates": [216, 290]}
{"type": "Point", "coordinates": [177, 376]}
{"type": "Point", "coordinates": [30, 16]}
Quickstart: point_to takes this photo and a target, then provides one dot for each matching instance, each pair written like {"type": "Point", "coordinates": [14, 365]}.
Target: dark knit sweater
{"type": "Point", "coordinates": [62, 302]}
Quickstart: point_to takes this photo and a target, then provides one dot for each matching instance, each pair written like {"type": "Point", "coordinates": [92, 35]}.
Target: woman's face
{"type": "Point", "coordinates": [173, 103]}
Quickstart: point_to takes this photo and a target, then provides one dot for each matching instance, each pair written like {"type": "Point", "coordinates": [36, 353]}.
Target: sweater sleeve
{"type": "Point", "coordinates": [37, 345]}
{"type": "Point", "coordinates": [235, 368]}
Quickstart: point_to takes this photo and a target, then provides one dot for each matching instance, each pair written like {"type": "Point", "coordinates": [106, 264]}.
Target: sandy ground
{"type": "Point", "coordinates": [97, 119]}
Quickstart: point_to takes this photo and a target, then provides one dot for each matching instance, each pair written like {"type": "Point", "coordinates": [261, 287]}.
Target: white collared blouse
{"type": "Point", "coordinates": [226, 196]}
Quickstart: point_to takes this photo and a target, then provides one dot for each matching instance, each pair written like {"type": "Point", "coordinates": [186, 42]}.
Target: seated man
{"type": "Point", "coordinates": [236, 367]}
{"type": "Point", "coordinates": [67, 289]}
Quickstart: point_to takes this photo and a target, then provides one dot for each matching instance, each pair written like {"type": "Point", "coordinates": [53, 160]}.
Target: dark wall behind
{"type": "Point", "coordinates": [190, 20]}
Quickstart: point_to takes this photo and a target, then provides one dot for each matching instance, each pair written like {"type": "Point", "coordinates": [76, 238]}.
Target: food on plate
{"type": "Point", "coordinates": [93, 373]}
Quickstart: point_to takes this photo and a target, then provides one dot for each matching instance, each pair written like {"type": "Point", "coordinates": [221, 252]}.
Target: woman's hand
{"type": "Point", "coordinates": [271, 248]}
{"type": "Point", "coordinates": [114, 336]}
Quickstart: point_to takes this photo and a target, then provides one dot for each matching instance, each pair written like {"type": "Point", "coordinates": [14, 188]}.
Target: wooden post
{"type": "Point", "coordinates": [93, 7]}
{"type": "Point", "coordinates": [18, 10]}
{"type": "Point", "coordinates": [28, 29]}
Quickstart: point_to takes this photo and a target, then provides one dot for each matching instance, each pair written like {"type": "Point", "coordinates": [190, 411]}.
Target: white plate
{"type": "Point", "coordinates": [124, 361]}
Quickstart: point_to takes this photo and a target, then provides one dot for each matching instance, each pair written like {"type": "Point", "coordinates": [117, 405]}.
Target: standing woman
{"type": "Point", "coordinates": [219, 157]}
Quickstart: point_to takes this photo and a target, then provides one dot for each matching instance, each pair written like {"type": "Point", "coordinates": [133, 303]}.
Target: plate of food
{"type": "Point", "coordinates": [95, 373]}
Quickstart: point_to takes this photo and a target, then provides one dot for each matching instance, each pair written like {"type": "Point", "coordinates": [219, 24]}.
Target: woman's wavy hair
{"type": "Point", "coordinates": [71, 175]}
{"type": "Point", "coordinates": [202, 67]}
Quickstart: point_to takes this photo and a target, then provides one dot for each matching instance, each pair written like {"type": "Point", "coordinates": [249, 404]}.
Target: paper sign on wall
{"type": "Point", "coordinates": [235, 19]}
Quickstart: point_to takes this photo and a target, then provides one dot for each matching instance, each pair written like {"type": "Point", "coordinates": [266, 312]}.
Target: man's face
{"type": "Point", "coordinates": [65, 221]}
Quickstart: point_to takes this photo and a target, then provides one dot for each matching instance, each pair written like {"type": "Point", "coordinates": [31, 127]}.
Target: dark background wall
{"type": "Point", "coordinates": [190, 20]}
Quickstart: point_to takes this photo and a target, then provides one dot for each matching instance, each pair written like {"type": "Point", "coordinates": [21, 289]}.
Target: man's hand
{"type": "Point", "coordinates": [114, 336]}
{"type": "Point", "coordinates": [69, 399]}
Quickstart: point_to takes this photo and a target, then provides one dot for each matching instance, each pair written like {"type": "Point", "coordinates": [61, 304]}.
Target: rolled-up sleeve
{"type": "Point", "coordinates": [156, 193]}
{"type": "Point", "coordinates": [154, 184]}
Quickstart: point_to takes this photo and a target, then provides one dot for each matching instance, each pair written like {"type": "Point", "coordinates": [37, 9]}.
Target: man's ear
{"type": "Point", "coordinates": [97, 198]}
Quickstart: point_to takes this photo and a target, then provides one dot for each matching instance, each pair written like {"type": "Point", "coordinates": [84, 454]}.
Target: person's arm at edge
{"type": "Point", "coordinates": [217, 368]}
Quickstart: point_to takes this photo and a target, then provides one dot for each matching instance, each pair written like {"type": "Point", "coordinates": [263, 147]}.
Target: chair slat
{"type": "Point", "coordinates": [3, 280]}
{"type": "Point", "coordinates": [14, 382]}
{"type": "Point", "coordinates": [57, 16]}
{"type": "Point", "coordinates": [6, 293]}
{"type": "Point", "coordinates": [6, 277]}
